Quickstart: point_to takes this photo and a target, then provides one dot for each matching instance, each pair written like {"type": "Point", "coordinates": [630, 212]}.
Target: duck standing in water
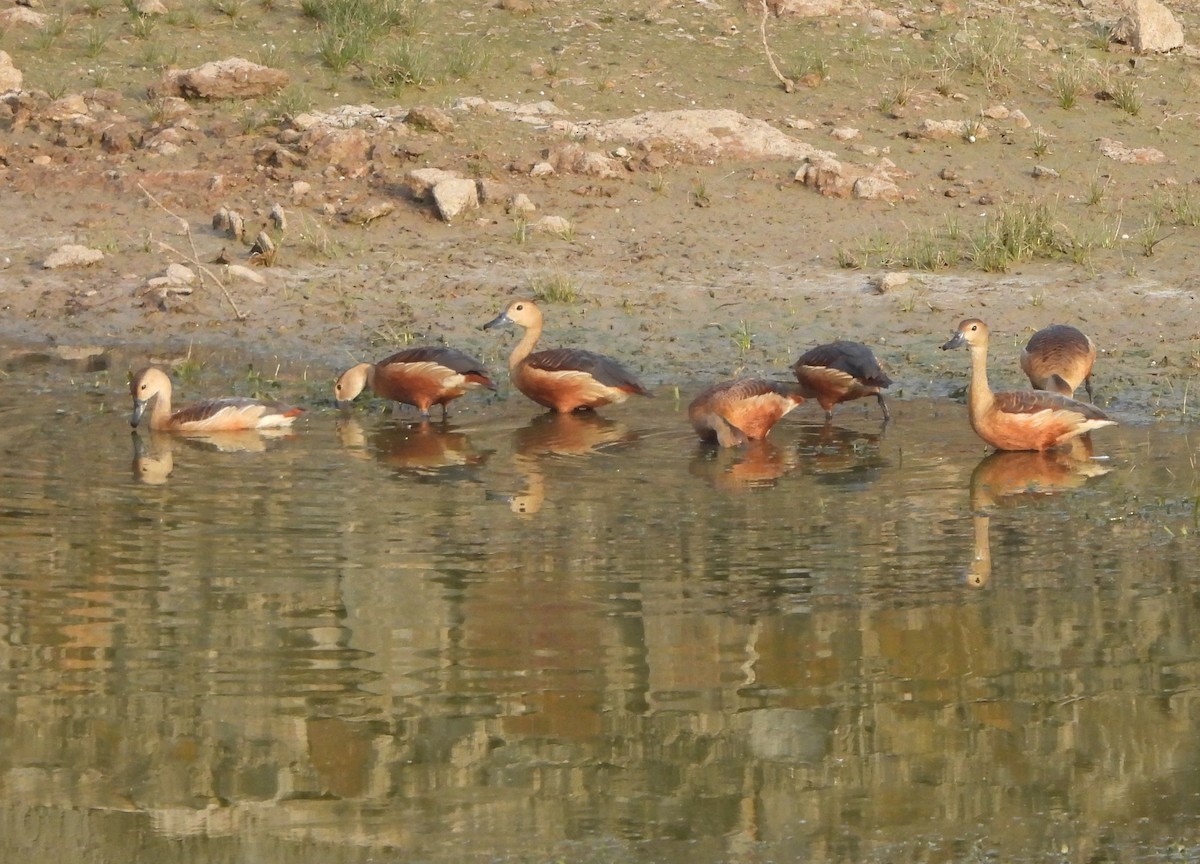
{"type": "Point", "coordinates": [1019, 420]}
{"type": "Point", "coordinates": [562, 379]}
{"type": "Point", "coordinates": [422, 377]}
{"type": "Point", "coordinates": [735, 412]}
{"type": "Point", "coordinates": [841, 371]}
{"type": "Point", "coordinates": [1059, 358]}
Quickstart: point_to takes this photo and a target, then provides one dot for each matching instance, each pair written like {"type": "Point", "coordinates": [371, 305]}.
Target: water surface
{"type": "Point", "coordinates": [533, 638]}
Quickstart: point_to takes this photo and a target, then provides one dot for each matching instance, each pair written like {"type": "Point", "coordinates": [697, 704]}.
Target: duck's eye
{"type": "Point", "coordinates": [974, 327]}
{"type": "Point", "coordinates": [520, 306]}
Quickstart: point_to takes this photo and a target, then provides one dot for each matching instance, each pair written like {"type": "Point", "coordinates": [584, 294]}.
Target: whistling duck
{"type": "Point", "coordinates": [151, 389]}
{"type": "Point", "coordinates": [1019, 420]}
{"type": "Point", "coordinates": [839, 372]}
{"type": "Point", "coordinates": [1059, 358]}
{"type": "Point", "coordinates": [421, 377]}
{"type": "Point", "coordinates": [562, 379]}
{"type": "Point", "coordinates": [734, 412]}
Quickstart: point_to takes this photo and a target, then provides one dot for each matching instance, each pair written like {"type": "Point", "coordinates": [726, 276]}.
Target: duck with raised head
{"type": "Point", "coordinates": [1021, 419]}
{"type": "Point", "coordinates": [421, 377]}
{"type": "Point", "coordinates": [151, 391]}
{"type": "Point", "coordinates": [562, 379]}
{"type": "Point", "coordinates": [732, 413]}
{"type": "Point", "coordinates": [1059, 358]}
{"type": "Point", "coordinates": [839, 372]}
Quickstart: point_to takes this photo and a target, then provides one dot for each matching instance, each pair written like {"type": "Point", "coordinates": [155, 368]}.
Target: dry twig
{"type": "Point", "coordinates": [788, 84]}
{"type": "Point", "coordinates": [194, 259]}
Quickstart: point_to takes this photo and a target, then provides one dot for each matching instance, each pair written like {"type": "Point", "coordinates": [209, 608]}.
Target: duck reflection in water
{"type": "Point", "coordinates": [1009, 478]}
{"type": "Point", "coordinates": [839, 456]}
{"type": "Point", "coordinates": [154, 453]}
{"type": "Point", "coordinates": [556, 436]}
{"type": "Point", "coordinates": [426, 449]}
{"type": "Point", "coordinates": [758, 464]}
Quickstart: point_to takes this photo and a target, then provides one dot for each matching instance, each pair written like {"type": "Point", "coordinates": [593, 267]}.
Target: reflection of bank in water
{"type": "Point", "coordinates": [153, 454]}
{"type": "Point", "coordinates": [426, 449]}
{"type": "Point", "coordinates": [1006, 479]}
{"type": "Point", "coordinates": [556, 435]}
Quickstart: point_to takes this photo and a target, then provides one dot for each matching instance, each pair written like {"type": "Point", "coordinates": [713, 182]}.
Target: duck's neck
{"type": "Point", "coordinates": [160, 410]}
{"type": "Point", "coordinates": [525, 346]}
{"type": "Point", "coordinates": [979, 395]}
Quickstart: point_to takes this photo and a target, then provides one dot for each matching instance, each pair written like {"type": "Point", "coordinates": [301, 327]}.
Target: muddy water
{"type": "Point", "coordinates": [530, 638]}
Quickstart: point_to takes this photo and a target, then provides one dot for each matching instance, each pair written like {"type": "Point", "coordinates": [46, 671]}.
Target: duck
{"type": "Point", "coordinates": [151, 391]}
{"type": "Point", "coordinates": [1019, 420]}
{"type": "Point", "coordinates": [839, 372]}
{"type": "Point", "coordinates": [731, 413]}
{"type": "Point", "coordinates": [562, 379]}
{"type": "Point", "coordinates": [1059, 358]}
{"type": "Point", "coordinates": [421, 377]}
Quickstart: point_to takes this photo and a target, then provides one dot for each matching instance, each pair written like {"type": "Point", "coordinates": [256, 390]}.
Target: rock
{"type": "Point", "coordinates": [10, 75]}
{"type": "Point", "coordinates": [950, 130]}
{"type": "Point", "coordinates": [542, 169]}
{"type": "Point", "coordinates": [176, 282]}
{"type": "Point", "coordinates": [19, 16]}
{"type": "Point", "coordinates": [1019, 119]}
{"type": "Point", "coordinates": [834, 179]}
{"type": "Point", "coordinates": [72, 255]}
{"type": "Point", "coordinates": [263, 251]}
{"type": "Point", "coordinates": [300, 190]}
{"type": "Point", "coordinates": [844, 134]}
{"type": "Point", "coordinates": [1148, 26]}
{"type": "Point", "coordinates": [520, 204]}
{"type": "Point", "coordinates": [556, 225]}
{"type": "Point", "coordinates": [232, 78]}
{"type": "Point", "coordinates": [421, 180]}
{"type": "Point", "coordinates": [345, 149]}
{"type": "Point", "coordinates": [695, 134]}
{"type": "Point", "coordinates": [121, 137]}
{"type": "Point", "coordinates": [148, 8]}
{"type": "Point", "coordinates": [454, 196]}
{"type": "Point", "coordinates": [875, 187]}
{"type": "Point", "coordinates": [576, 159]}
{"type": "Point", "coordinates": [885, 282]}
{"type": "Point", "coordinates": [492, 191]}
{"type": "Point", "coordinates": [800, 8]}
{"type": "Point", "coordinates": [1042, 172]}
{"type": "Point", "coordinates": [230, 223]}
{"type": "Point", "coordinates": [996, 112]}
{"type": "Point", "coordinates": [429, 119]}
{"type": "Point", "coordinates": [238, 271]}
{"type": "Point", "coordinates": [278, 217]}
{"type": "Point", "coordinates": [367, 212]}
{"type": "Point", "coordinates": [1118, 152]}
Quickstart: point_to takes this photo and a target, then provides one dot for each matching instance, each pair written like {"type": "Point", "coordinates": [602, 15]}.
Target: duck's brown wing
{"type": "Point", "coordinates": [449, 358]}
{"type": "Point", "coordinates": [853, 358]}
{"type": "Point", "coordinates": [1033, 401]}
{"type": "Point", "coordinates": [604, 369]}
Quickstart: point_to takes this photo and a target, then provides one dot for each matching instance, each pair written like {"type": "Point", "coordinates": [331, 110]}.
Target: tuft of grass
{"type": "Point", "coordinates": [405, 63]}
{"type": "Point", "coordinates": [143, 26]}
{"type": "Point", "coordinates": [1018, 233]}
{"type": "Point", "coordinates": [339, 50]}
{"type": "Point", "coordinates": [521, 231]}
{"type": "Point", "coordinates": [1066, 83]}
{"type": "Point", "coordinates": [555, 288]}
{"type": "Point", "coordinates": [1126, 96]}
{"type": "Point", "coordinates": [742, 338]}
{"type": "Point", "coordinates": [1097, 189]}
{"type": "Point", "coordinates": [988, 49]}
{"type": "Point", "coordinates": [1041, 143]}
{"type": "Point", "coordinates": [468, 58]}
{"type": "Point", "coordinates": [95, 40]}
{"type": "Point", "coordinates": [290, 102]}
{"type": "Point", "coordinates": [698, 194]}
{"type": "Point", "coordinates": [809, 66]}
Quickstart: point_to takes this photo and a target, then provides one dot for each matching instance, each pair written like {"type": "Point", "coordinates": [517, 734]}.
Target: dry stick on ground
{"type": "Point", "coordinates": [194, 260]}
{"type": "Point", "coordinates": [788, 84]}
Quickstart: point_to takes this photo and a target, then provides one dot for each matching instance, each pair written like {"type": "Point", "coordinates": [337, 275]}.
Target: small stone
{"type": "Point", "coordinates": [885, 282]}
{"type": "Point", "coordinates": [365, 213]}
{"type": "Point", "coordinates": [72, 255]}
{"type": "Point", "coordinates": [278, 217]}
{"type": "Point", "coordinates": [454, 196]}
{"type": "Point", "coordinates": [1041, 171]}
{"type": "Point", "coordinates": [520, 203]}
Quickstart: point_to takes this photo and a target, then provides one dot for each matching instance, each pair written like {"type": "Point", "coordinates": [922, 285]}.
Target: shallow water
{"type": "Point", "coordinates": [533, 638]}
